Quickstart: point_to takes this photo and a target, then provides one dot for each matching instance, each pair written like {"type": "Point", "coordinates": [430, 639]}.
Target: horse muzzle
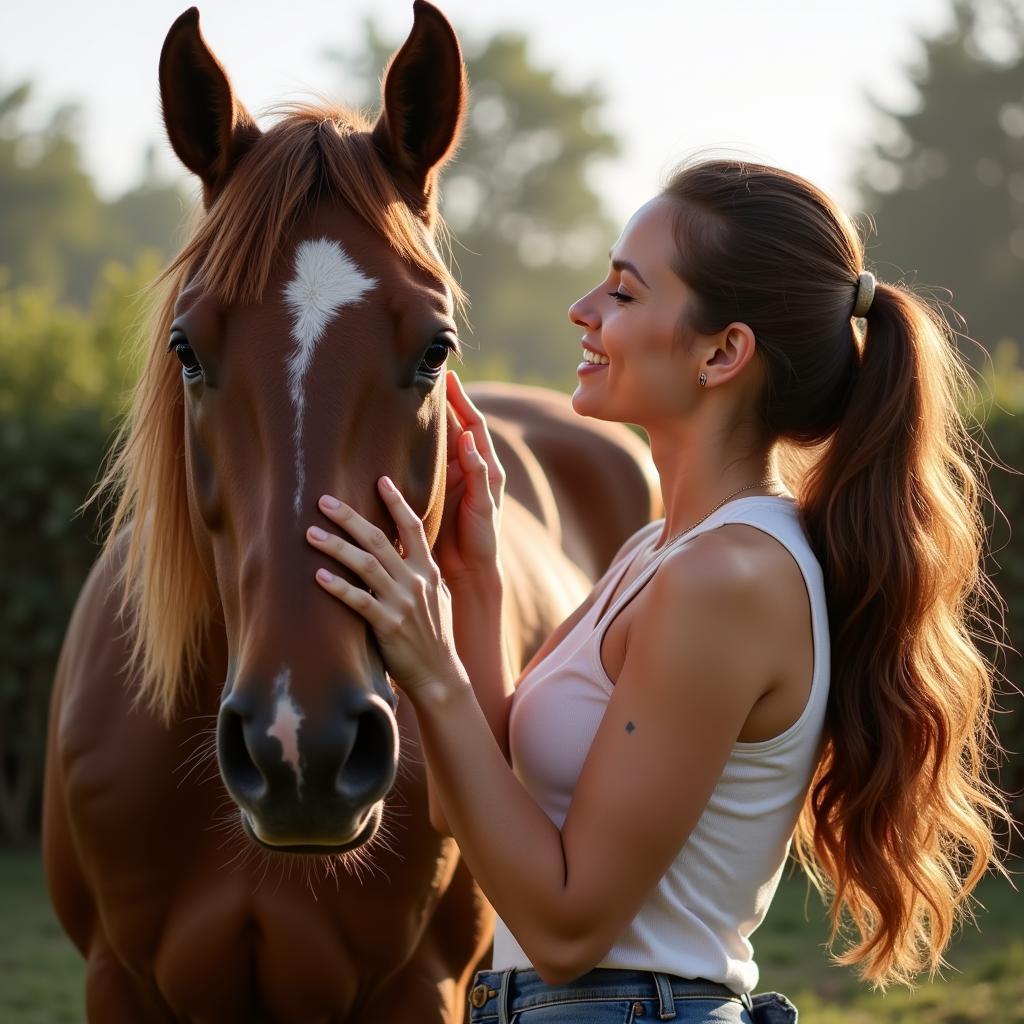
{"type": "Point", "coordinates": [304, 786]}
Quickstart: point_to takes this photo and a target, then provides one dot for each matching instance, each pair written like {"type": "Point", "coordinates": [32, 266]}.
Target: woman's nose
{"type": "Point", "coordinates": [582, 312]}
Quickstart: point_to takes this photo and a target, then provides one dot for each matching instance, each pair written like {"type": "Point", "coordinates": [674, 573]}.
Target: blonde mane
{"type": "Point", "coordinates": [168, 600]}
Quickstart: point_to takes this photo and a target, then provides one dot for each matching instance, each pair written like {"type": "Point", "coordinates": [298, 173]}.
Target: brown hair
{"type": "Point", "coordinates": [309, 153]}
{"type": "Point", "coordinates": [898, 822]}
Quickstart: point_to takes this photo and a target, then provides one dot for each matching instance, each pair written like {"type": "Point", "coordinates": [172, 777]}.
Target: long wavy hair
{"type": "Point", "coordinates": [868, 420]}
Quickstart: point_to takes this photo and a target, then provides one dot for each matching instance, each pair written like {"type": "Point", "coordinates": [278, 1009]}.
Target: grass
{"type": "Point", "coordinates": [42, 975]}
{"type": "Point", "coordinates": [984, 982]}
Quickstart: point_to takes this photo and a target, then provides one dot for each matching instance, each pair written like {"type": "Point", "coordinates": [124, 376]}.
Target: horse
{"type": "Point", "coordinates": [235, 823]}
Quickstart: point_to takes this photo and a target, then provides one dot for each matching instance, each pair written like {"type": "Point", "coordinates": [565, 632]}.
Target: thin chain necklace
{"type": "Point", "coordinates": [766, 482]}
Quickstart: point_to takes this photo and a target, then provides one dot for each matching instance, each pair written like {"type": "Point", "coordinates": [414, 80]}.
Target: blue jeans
{"type": "Point", "coordinates": [611, 996]}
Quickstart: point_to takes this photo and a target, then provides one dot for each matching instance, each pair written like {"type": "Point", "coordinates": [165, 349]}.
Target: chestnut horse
{"type": "Point", "coordinates": [299, 350]}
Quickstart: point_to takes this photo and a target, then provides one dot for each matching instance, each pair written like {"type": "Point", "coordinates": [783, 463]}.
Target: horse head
{"type": "Point", "coordinates": [305, 344]}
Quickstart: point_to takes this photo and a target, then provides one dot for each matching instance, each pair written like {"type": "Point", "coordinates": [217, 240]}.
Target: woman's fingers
{"type": "Point", "coordinates": [454, 432]}
{"type": "Point", "coordinates": [472, 419]}
{"type": "Point", "coordinates": [365, 565]}
{"type": "Point", "coordinates": [474, 471]}
{"type": "Point", "coordinates": [379, 618]}
{"type": "Point", "coordinates": [371, 540]}
{"type": "Point", "coordinates": [410, 526]}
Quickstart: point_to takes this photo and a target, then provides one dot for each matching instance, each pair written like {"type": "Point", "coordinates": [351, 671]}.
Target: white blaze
{"type": "Point", "coordinates": [285, 727]}
{"type": "Point", "coordinates": [326, 278]}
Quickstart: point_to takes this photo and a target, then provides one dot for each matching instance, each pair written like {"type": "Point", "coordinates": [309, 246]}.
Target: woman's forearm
{"type": "Point", "coordinates": [512, 847]}
{"type": "Point", "coordinates": [480, 641]}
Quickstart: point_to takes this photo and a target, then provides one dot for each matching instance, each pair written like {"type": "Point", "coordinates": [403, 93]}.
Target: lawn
{"type": "Point", "coordinates": [41, 974]}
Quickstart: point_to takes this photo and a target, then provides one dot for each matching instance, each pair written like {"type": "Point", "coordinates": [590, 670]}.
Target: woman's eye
{"type": "Point", "coordinates": [435, 357]}
{"type": "Point", "coordinates": [621, 297]}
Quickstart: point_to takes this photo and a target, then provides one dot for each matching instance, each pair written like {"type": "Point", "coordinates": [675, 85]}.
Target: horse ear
{"type": "Point", "coordinates": [207, 126]}
{"type": "Point", "coordinates": [424, 100]}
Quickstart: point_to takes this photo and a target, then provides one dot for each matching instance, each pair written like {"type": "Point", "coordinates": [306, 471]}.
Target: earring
{"type": "Point", "coordinates": [703, 379]}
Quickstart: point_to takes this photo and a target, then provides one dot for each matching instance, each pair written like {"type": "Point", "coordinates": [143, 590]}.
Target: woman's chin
{"type": "Point", "coordinates": [588, 404]}
{"type": "Point", "coordinates": [580, 404]}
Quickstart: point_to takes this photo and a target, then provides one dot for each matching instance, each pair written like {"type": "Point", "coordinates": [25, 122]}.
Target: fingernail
{"type": "Point", "coordinates": [470, 442]}
{"type": "Point", "coordinates": [323, 574]}
{"type": "Point", "coordinates": [387, 484]}
{"type": "Point", "coordinates": [328, 502]}
{"type": "Point", "coordinates": [316, 533]}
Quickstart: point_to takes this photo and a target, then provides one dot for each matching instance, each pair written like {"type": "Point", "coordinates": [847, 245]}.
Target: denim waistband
{"type": "Point", "coordinates": [492, 992]}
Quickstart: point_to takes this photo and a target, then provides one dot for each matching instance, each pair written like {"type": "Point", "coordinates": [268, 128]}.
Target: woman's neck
{"type": "Point", "coordinates": [695, 477]}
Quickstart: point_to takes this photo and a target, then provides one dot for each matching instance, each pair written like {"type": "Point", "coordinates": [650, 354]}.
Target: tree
{"type": "Point", "coordinates": [945, 180]}
{"type": "Point", "coordinates": [530, 233]}
{"type": "Point", "coordinates": [55, 231]}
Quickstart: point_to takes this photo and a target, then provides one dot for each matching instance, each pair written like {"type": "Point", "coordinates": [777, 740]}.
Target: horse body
{"type": "Point", "coordinates": [296, 878]}
{"type": "Point", "coordinates": [181, 919]}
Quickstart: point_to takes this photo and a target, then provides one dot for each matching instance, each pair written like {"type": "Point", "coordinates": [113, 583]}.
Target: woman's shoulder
{"type": "Point", "coordinates": [733, 566]}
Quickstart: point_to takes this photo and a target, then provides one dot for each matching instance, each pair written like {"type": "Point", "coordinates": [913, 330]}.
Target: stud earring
{"type": "Point", "coordinates": [703, 379]}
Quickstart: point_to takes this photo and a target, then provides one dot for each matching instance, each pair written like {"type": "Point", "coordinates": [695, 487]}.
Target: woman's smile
{"type": "Point", "coordinates": [593, 361]}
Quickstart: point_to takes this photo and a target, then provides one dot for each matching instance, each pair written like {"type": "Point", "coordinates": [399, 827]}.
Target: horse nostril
{"type": "Point", "coordinates": [240, 772]}
{"type": "Point", "coordinates": [369, 770]}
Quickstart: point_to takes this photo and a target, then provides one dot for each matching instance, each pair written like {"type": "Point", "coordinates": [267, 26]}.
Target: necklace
{"type": "Point", "coordinates": [766, 482]}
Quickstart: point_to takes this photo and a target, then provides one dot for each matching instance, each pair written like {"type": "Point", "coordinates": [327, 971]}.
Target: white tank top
{"type": "Point", "coordinates": [698, 920]}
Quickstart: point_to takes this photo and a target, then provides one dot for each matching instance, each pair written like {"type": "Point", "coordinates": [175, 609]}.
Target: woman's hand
{"type": "Point", "coordinates": [408, 606]}
{"type": "Point", "coordinates": [467, 544]}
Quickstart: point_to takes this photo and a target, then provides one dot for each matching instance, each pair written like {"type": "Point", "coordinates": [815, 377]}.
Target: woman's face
{"type": "Point", "coordinates": [634, 369]}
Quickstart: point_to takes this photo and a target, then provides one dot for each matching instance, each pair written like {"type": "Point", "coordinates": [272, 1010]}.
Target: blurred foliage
{"type": "Point", "coordinates": [945, 179]}
{"type": "Point", "coordinates": [62, 387]}
{"type": "Point", "coordinates": [530, 233]}
{"type": "Point", "coordinates": [55, 231]}
{"type": "Point", "coordinates": [1005, 438]}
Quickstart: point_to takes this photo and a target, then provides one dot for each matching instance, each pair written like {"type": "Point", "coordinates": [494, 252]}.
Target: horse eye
{"type": "Point", "coordinates": [183, 350]}
{"type": "Point", "coordinates": [435, 356]}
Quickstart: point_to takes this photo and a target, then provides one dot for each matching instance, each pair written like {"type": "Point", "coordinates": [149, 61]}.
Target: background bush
{"type": "Point", "coordinates": [63, 384]}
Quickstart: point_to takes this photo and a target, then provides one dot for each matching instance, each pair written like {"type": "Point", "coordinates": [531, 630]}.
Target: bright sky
{"type": "Point", "coordinates": [781, 80]}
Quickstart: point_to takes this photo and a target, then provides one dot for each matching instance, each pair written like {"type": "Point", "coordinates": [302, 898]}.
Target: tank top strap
{"type": "Point", "coordinates": [717, 518]}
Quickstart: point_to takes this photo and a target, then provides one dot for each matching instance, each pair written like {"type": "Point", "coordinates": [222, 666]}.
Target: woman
{"type": "Point", "coordinates": [762, 666]}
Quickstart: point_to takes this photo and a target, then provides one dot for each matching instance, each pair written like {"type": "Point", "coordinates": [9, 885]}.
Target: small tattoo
{"type": "Point", "coordinates": [630, 727]}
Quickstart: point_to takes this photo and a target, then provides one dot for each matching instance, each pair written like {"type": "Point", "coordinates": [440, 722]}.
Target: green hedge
{"type": "Point", "coordinates": [63, 385]}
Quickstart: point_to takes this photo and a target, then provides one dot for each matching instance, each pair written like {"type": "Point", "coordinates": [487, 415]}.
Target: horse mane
{"type": "Point", "coordinates": [168, 600]}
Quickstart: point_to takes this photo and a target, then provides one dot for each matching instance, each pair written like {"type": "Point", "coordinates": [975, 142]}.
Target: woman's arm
{"type": "Point", "coordinates": [480, 641]}
{"type": "Point", "coordinates": [477, 623]}
{"type": "Point", "coordinates": [694, 667]}
{"type": "Point", "coordinates": [691, 675]}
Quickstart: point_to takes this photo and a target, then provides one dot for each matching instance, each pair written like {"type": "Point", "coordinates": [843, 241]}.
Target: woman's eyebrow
{"type": "Point", "coordinates": [621, 265]}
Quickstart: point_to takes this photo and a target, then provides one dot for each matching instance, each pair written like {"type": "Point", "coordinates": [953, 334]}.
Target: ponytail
{"type": "Point", "coordinates": [898, 822]}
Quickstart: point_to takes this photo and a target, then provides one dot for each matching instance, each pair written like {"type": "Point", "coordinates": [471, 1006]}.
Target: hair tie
{"type": "Point", "coordinates": [865, 294]}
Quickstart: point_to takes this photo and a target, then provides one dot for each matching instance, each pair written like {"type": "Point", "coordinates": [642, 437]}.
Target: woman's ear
{"type": "Point", "coordinates": [734, 347]}
{"type": "Point", "coordinates": [424, 101]}
{"type": "Point", "coordinates": [207, 126]}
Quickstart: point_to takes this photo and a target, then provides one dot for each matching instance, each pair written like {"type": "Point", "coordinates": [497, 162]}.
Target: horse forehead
{"type": "Point", "coordinates": [324, 279]}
